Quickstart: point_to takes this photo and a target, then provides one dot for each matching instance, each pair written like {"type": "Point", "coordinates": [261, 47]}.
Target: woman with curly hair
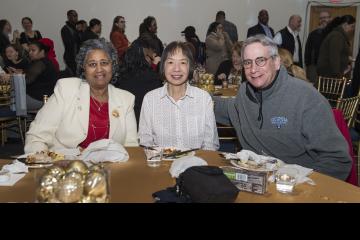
{"type": "Point", "coordinates": [86, 109]}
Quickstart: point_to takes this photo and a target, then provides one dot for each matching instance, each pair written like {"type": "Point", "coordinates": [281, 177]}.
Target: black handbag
{"type": "Point", "coordinates": [206, 184]}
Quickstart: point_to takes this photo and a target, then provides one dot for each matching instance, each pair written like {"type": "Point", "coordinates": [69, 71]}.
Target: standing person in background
{"type": "Point", "coordinates": [335, 54]}
{"type": "Point", "coordinates": [93, 31]}
{"type": "Point", "coordinates": [229, 27]}
{"type": "Point", "coordinates": [218, 47]}
{"type": "Point", "coordinates": [262, 27]}
{"type": "Point", "coordinates": [5, 31]}
{"type": "Point", "coordinates": [149, 25]}
{"type": "Point", "coordinates": [118, 37]}
{"type": "Point", "coordinates": [313, 44]}
{"type": "Point", "coordinates": [198, 46]}
{"type": "Point", "coordinates": [81, 27]}
{"type": "Point", "coordinates": [29, 35]}
{"type": "Point", "coordinates": [289, 39]}
{"type": "Point", "coordinates": [70, 38]}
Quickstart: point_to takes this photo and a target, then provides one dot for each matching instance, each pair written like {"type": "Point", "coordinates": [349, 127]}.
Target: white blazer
{"type": "Point", "coordinates": [64, 120]}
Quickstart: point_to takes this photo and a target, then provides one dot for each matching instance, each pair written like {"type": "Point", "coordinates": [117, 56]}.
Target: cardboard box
{"type": "Point", "coordinates": [247, 180]}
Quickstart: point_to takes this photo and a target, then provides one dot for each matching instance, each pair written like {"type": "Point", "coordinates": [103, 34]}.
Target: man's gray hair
{"type": "Point", "coordinates": [263, 40]}
{"type": "Point", "coordinates": [93, 44]}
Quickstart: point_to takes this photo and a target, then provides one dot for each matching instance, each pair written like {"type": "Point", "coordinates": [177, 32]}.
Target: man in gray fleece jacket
{"type": "Point", "coordinates": [281, 116]}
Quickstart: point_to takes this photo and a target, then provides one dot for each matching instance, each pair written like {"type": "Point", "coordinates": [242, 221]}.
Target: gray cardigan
{"type": "Point", "coordinates": [293, 123]}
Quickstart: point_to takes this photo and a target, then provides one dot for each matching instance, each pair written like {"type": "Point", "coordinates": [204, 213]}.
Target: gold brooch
{"type": "Point", "coordinates": [115, 113]}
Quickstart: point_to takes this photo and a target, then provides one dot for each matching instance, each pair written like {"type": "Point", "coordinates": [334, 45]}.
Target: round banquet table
{"type": "Point", "coordinates": [134, 182]}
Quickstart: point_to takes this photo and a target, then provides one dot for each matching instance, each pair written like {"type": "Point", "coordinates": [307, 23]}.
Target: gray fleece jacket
{"type": "Point", "coordinates": [289, 120]}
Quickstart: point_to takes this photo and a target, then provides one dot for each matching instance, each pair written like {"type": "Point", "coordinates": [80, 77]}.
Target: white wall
{"type": "Point", "coordinates": [172, 15]}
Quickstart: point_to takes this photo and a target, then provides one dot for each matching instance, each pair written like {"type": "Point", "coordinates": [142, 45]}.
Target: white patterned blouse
{"type": "Point", "coordinates": [187, 123]}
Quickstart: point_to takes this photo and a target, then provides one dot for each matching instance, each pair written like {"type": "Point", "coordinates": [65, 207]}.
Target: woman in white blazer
{"type": "Point", "coordinates": [86, 109]}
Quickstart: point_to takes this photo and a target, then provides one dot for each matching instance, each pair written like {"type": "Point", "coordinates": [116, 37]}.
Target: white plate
{"type": "Point", "coordinates": [268, 167]}
{"type": "Point", "coordinates": [34, 165]}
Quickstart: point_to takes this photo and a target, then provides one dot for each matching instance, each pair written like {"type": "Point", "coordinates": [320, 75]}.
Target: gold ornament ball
{"type": "Point", "coordinates": [95, 184]}
{"type": "Point", "coordinates": [56, 171]}
{"type": "Point", "coordinates": [47, 188]}
{"type": "Point", "coordinates": [78, 166]}
{"type": "Point", "coordinates": [96, 167]}
{"type": "Point", "coordinates": [76, 175]}
{"type": "Point", "coordinates": [70, 190]}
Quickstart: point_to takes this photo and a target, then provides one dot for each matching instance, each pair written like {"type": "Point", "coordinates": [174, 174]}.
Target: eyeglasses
{"type": "Point", "coordinates": [260, 62]}
{"type": "Point", "coordinates": [94, 64]}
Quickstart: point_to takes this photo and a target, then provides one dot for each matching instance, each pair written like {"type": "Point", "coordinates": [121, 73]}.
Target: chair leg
{"type": "Point", "coordinates": [358, 163]}
{"type": "Point", "coordinates": [20, 130]}
{"type": "Point", "coordinates": [2, 126]}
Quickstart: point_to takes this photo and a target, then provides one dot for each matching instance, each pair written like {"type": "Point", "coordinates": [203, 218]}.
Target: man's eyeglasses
{"type": "Point", "coordinates": [260, 62]}
{"type": "Point", "coordinates": [94, 64]}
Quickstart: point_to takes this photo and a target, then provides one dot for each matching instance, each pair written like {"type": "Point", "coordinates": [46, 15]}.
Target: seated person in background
{"type": "Point", "coordinates": [40, 76]}
{"type": "Point", "coordinates": [136, 74]}
{"type": "Point", "coordinates": [51, 55]}
{"type": "Point", "coordinates": [86, 109]}
{"type": "Point", "coordinates": [29, 35]}
{"type": "Point", "coordinates": [14, 61]}
{"type": "Point", "coordinates": [278, 115]}
{"type": "Point", "coordinates": [230, 69]}
{"type": "Point", "coordinates": [178, 114]}
{"type": "Point", "coordinates": [286, 60]}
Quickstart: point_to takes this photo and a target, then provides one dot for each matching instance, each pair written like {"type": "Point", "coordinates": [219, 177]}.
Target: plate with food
{"type": "Point", "coordinates": [40, 159]}
{"type": "Point", "coordinates": [267, 166]}
{"type": "Point", "coordinates": [168, 153]}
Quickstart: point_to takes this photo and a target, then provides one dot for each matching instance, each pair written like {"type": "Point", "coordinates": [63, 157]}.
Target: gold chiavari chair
{"type": "Point", "coordinates": [8, 118]}
{"type": "Point", "coordinates": [227, 134]}
{"type": "Point", "coordinates": [332, 88]}
{"type": "Point", "coordinates": [348, 106]}
{"type": "Point", "coordinates": [356, 142]}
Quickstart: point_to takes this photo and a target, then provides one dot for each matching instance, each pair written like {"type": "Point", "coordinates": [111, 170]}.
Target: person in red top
{"type": "Point", "coordinates": [88, 108]}
{"type": "Point", "coordinates": [51, 55]}
{"type": "Point", "coordinates": [118, 37]}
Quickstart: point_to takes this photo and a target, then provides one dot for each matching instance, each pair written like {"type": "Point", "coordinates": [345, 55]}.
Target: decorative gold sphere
{"type": "Point", "coordinates": [96, 167]}
{"type": "Point", "coordinates": [70, 190]}
{"type": "Point", "coordinates": [48, 186]}
{"type": "Point", "coordinates": [76, 175]}
{"type": "Point", "coordinates": [95, 184]}
{"type": "Point", "coordinates": [78, 166]}
{"type": "Point", "coordinates": [56, 171]}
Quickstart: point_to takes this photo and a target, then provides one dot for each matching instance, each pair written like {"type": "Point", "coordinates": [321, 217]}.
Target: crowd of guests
{"type": "Point", "coordinates": [139, 93]}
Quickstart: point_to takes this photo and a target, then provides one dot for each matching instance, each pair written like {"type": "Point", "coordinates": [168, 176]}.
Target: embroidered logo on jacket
{"type": "Point", "coordinates": [278, 122]}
